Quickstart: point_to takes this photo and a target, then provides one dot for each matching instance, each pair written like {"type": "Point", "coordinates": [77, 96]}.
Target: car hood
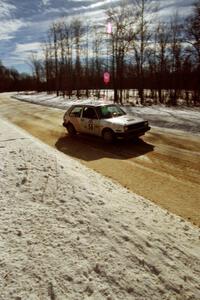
{"type": "Point", "coordinates": [124, 120]}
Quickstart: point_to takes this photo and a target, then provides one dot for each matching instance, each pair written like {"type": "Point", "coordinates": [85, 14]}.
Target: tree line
{"type": "Point", "coordinates": [161, 60]}
{"type": "Point", "coordinates": [12, 80]}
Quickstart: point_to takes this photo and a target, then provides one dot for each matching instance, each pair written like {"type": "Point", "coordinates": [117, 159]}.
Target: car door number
{"type": "Point", "coordinates": [90, 125]}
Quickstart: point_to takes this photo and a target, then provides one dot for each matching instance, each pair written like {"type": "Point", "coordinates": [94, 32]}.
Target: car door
{"type": "Point", "coordinates": [89, 121]}
{"type": "Point", "coordinates": [75, 117]}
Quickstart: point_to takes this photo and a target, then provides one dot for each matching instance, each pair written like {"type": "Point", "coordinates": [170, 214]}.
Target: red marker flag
{"type": "Point", "coordinates": [106, 77]}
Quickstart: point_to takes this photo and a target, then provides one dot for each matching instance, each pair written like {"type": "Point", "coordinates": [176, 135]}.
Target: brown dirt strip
{"type": "Point", "coordinates": [163, 167]}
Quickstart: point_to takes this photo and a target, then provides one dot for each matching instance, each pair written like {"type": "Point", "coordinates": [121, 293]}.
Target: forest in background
{"type": "Point", "coordinates": [138, 50]}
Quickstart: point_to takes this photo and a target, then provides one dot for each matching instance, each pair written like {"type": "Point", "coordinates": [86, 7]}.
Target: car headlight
{"type": "Point", "coordinates": [125, 128]}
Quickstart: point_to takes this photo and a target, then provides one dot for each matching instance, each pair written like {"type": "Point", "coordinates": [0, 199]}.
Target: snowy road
{"type": "Point", "coordinates": [164, 167]}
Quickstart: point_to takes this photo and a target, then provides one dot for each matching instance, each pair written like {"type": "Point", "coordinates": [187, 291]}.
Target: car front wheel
{"type": "Point", "coordinates": [108, 135]}
{"type": "Point", "coordinates": [71, 130]}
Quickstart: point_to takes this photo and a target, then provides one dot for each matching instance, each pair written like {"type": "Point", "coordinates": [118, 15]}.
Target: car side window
{"type": "Point", "coordinates": [76, 112]}
{"type": "Point", "coordinates": [105, 111]}
{"type": "Point", "coordinates": [89, 113]}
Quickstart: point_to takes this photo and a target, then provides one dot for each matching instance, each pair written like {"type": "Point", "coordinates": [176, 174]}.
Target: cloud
{"type": "Point", "coordinates": [24, 23]}
{"type": "Point", "coordinates": [20, 55]}
{"type": "Point", "coordinates": [9, 28]}
{"type": "Point", "coordinates": [45, 2]}
{"type": "Point", "coordinates": [171, 7]}
{"type": "Point", "coordinates": [27, 47]}
{"type": "Point", "coordinates": [26, 50]}
{"type": "Point", "coordinates": [6, 9]}
{"type": "Point", "coordinates": [9, 24]}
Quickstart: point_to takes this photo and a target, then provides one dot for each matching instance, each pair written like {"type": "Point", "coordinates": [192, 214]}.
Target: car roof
{"type": "Point", "coordinates": [94, 103]}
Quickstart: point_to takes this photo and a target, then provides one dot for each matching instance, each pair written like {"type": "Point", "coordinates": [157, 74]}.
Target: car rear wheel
{"type": "Point", "coordinates": [71, 130]}
{"type": "Point", "coordinates": [108, 135]}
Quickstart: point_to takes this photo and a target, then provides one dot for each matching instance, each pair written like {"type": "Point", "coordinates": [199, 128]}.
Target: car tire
{"type": "Point", "coordinates": [108, 136]}
{"type": "Point", "coordinates": [71, 130]}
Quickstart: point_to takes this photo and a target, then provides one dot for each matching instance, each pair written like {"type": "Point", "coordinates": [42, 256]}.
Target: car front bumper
{"type": "Point", "coordinates": [132, 133]}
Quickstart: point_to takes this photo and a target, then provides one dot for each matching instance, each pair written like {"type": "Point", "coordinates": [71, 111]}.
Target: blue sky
{"type": "Point", "coordinates": [24, 23]}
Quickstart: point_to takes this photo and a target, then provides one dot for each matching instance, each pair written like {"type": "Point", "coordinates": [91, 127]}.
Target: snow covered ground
{"type": "Point", "coordinates": [68, 233]}
{"type": "Point", "coordinates": [186, 119]}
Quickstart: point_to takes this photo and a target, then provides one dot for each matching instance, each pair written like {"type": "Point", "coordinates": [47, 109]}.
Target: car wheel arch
{"type": "Point", "coordinates": [71, 128]}
{"type": "Point", "coordinates": [108, 130]}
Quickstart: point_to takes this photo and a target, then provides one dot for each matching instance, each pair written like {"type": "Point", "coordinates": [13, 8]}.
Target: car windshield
{"type": "Point", "coordinates": [110, 111]}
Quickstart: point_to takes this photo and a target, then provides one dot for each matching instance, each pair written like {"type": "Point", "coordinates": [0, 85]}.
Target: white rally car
{"type": "Point", "coordinates": [103, 119]}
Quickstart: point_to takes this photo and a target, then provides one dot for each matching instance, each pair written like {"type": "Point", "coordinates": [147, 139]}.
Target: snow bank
{"type": "Point", "coordinates": [68, 233]}
{"type": "Point", "coordinates": [45, 99]}
{"type": "Point", "coordinates": [185, 119]}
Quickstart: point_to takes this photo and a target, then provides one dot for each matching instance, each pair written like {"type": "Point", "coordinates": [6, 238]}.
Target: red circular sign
{"type": "Point", "coordinates": [106, 77]}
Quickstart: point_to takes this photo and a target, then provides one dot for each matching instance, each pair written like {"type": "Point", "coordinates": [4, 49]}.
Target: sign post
{"type": "Point", "coordinates": [106, 75]}
{"type": "Point", "coordinates": [106, 78]}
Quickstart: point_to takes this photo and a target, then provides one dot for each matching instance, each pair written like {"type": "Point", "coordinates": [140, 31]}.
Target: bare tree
{"type": "Point", "coordinates": [37, 70]}
{"type": "Point", "coordinates": [86, 59]}
{"type": "Point", "coordinates": [120, 40]}
{"type": "Point", "coordinates": [48, 63]}
{"type": "Point", "coordinates": [192, 30]}
{"type": "Point", "coordinates": [96, 61]}
{"type": "Point", "coordinates": [176, 53]}
{"type": "Point", "coordinates": [62, 56]}
{"type": "Point", "coordinates": [55, 45]}
{"type": "Point", "coordinates": [68, 58]}
{"type": "Point", "coordinates": [162, 40]}
{"type": "Point", "coordinates": [77, 28]}
{"type": "Point", "coordinates": [144, 11]}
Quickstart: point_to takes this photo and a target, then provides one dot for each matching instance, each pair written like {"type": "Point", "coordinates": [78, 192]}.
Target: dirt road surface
{"type": "Point", "coordinates": [163, 167]}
